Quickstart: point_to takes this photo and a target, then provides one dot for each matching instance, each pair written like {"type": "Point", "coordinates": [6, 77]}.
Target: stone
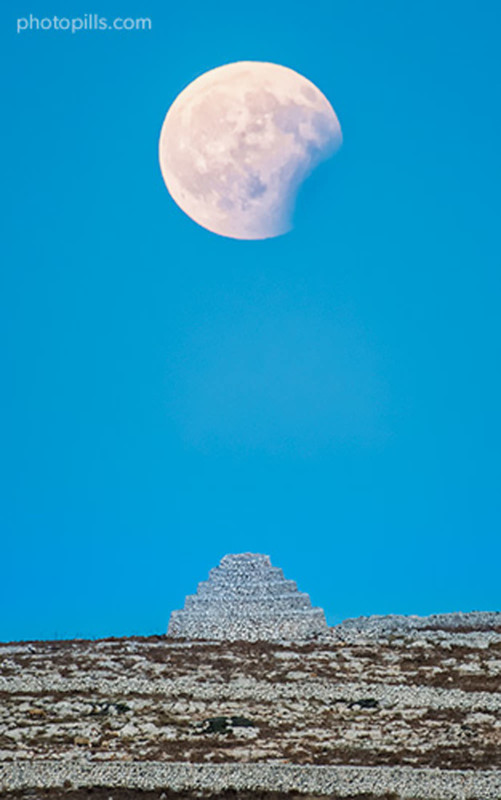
{"type": "Point", "coordinates": [226, 724]}
{"type": "Point", "coordinates": [82, 741]}
{"type": "Point", "coordinates": [128, 730]}
{"type": "Point", "coordinates": [365, 702]}
{"type": "Point", "coordinates": [246, 598]}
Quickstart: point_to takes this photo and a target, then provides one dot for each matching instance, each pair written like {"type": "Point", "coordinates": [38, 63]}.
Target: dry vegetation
{"type": "Point", "coordinates": [329, 702]}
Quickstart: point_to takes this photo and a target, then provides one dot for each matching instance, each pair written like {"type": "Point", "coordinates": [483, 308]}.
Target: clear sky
{"type": "Point", "coordinates": [330, 397]}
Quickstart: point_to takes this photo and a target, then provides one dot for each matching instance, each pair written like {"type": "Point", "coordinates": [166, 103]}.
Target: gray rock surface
{"type": "Point", "coordinates": [367, 708]}
{"type": "Point", "coordinates": [246, 598]}
{"type": "Point", "coordinates": [457, 622]}
{"type": "Point", "coordinates": [404, 782]}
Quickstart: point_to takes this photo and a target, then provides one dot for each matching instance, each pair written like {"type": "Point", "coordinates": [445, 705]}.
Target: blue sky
{"type": "Point", "coordinates": [330, 397]}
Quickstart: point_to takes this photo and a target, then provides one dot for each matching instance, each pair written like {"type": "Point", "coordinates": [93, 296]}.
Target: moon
{"type": "Point", "coordinates": [238, 142]}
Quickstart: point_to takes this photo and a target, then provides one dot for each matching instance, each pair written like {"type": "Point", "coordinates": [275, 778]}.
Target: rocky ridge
{"type": "Point", "coordinates": [377, 697]}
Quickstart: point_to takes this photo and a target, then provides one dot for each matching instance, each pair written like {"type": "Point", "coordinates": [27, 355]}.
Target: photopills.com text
{"type": "Point", "coordinates": [89, 22]}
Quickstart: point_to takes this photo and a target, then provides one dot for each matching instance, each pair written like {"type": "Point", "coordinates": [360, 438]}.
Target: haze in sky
{"type": "Point", "coordinates": [329, 397]}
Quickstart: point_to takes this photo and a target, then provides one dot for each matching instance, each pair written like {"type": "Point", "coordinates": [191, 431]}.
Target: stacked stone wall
{"type": "Point", "coordinates": [246, 598]}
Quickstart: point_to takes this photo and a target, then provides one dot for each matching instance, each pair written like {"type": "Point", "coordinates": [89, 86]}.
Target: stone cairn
{"type": "Point", "coordinates": [246, 598]}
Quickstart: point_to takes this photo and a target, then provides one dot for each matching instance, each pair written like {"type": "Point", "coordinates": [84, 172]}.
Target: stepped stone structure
{"type": "Point", "coordinates": [246, 598]}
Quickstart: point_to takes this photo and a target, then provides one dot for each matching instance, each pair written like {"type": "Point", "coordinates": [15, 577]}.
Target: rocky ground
{"type": "Point", "coordinates": [417, 694]}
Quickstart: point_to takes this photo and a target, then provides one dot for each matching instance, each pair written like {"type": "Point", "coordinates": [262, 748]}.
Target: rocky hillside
{"type": "Point", "coordinates": [371, 693]}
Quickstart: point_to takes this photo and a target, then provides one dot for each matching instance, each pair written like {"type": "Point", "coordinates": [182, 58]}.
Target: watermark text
{"type": "Point", "coordinates": [89, 22]}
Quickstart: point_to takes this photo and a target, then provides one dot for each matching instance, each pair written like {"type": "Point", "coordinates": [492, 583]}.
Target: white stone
{"type": "Point", "coordinates": [246, 598]}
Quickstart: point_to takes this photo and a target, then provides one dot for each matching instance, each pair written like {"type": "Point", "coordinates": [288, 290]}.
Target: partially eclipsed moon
{"type": "Point", "coordinates": [239, 141]}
